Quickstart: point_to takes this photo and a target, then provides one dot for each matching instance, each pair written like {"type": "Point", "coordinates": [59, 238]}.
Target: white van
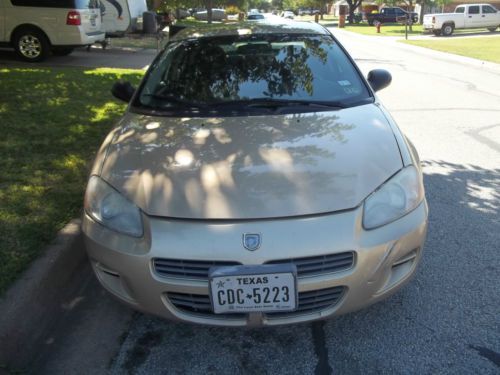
{"type": "Point", "coordinates": [121, 16]}
{"type": "Point", "coordinates": [36, 27]}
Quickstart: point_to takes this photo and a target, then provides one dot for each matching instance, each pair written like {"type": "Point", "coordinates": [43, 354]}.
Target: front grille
{"type": "Point", "coordinates": [318, 265]}
{"type": "Point", "coordinates": [309, 302]}
{"type": "Point", "coordinates": [191, 269]}
{"type": "Point", "coordinates": [310, 266]}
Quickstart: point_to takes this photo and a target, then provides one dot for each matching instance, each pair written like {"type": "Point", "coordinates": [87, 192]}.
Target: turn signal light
{"type": "Point", "coordinates": [73, 18]}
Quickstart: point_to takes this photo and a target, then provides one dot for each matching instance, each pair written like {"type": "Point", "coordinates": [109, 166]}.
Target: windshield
{"type": "Point", "coordinates": [206, 72]}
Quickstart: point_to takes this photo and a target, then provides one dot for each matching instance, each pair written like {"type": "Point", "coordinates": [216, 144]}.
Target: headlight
{"type": "Point", "coordinates": [107, 206]}
{"type": "Point", "coordinates": [395, 198]}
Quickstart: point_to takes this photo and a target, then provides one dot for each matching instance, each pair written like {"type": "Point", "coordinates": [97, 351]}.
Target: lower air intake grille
{"type": "Point", "coordinates": [309, 302]}
{"type": "Point", "coordinates": [198, 304]}
{"type": "Point", "coordinates": [313, 301]}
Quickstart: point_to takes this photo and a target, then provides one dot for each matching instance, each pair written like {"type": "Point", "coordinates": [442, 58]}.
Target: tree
{"type": "Point", "coordinates": [353, 5]}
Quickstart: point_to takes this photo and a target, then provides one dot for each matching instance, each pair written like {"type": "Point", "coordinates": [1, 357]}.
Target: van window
{"type": "Point", "coordinates": [488, 9]}
{"type": "Point", "coordinates": [474, 9]}
{"type": "Point", "coordinates": [460, 10]}
{"type": "Point", "coordinates": [69, 4]}
{"type": "Point", "coordinates": [84, 4]}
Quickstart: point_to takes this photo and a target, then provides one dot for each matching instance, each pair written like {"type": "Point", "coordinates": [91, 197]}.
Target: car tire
{"type": "Point", "coordinates": [492, 29]}
{"type": "Point", "coordinates": [31, 44]}
{"type": "Point", "coordinates": [62, 51]}
{"type": "Point", "coordinates": [447, 29]}
{"type": "Point", "coordinates": [436, 32]}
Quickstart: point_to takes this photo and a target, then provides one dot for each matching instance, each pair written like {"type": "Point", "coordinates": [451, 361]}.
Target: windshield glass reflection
{"type": "Point", "coordinates": [221, 70]}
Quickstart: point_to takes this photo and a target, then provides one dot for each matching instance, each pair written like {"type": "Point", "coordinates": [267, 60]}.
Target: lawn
{"type": "Point", "coordinates": [388, 29]}
{"type": "Point", "coordinates": [487, 48]}
{"type": "Point", "coordinates": [328, 19]}
{"type": "Point", "coordinates": [135, 41]}
{"type": "Point", "coordinates": [52, 122]}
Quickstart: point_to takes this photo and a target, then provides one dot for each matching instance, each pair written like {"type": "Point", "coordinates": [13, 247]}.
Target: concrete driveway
{"type": "Point", "coordinates": [447, 320]}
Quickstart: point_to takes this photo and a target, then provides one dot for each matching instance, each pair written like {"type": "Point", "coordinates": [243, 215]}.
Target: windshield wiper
{"type": "Point", "coordinates": [279, 103]}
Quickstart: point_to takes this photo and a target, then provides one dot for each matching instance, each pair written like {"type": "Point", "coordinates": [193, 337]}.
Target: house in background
{"type": "Point", "coordinates": [334, 8]}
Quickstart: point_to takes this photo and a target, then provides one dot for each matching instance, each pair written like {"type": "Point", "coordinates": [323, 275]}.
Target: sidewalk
{"type": "Point", "coordinates": [395, 41]}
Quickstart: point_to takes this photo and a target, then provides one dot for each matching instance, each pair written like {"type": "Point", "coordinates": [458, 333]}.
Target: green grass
{"type": "Point", "coordinates": [479, 48]}
{"type": "Point", "coordinates": [134, 41]}
{"type": "Point", "coordinates": [52, 123]}
{"type": "Point", "coordinates": [389, 29]}
{"type": "Point", "coordinates": [328, 19]}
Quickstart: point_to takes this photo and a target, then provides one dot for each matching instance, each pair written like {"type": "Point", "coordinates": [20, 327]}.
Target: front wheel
{"type": "Point", "coordinates": [447, 29]}
{"type": "Point", "coordinates": [492, 29]}
{"type": "Point", "coordinates": [31, 45]}
{"type": "Point", "coordinates": [62, 51]}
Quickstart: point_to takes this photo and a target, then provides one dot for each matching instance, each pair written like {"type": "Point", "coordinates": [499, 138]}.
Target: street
{"type": "Point", "coordinates": [447, 320]}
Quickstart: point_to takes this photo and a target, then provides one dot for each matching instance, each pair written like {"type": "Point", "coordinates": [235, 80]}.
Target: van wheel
{"type": "Point", "coordinates": [447, 29]}
{"type": "Point", "coordinates": [62, 51]}
{"type": "Point", "coordinates": [31, 45]}
{"type": "Point", "coordinates": [492, 29]}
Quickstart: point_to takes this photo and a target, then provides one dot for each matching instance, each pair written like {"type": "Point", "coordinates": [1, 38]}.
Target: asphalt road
{"type": "Point", "coordinates": [96, 57]}
{"type": "Point", "coordinates": [447, 320]}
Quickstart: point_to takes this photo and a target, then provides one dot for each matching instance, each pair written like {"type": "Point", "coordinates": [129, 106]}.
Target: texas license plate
{"type": "Point", "coordinates": [244, 289]}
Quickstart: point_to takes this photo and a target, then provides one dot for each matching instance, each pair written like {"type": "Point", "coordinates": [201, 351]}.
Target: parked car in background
{"type": "Point", "coordinates": [255, 17]}
{"type": "Point", "coordinates": [35, 28]}
{"type": "Point", "coordinates": [467, 16]}
{"type": "Point", "coordinates": [288, 14]}
{"type": "Point", "coordinates": [255, 179]}
{"type": "Point", "coordinates": [217, 15]}
{"type": "Point", "coordinates": [181, 14]}
{"type": "Point", "coordinates": [390, 15]}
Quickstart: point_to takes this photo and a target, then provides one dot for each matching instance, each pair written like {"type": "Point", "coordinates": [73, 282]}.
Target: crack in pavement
{"type": "Point", "coordinates": [318, 335]}
{"type": "Point", "coordinates": [489, 354]}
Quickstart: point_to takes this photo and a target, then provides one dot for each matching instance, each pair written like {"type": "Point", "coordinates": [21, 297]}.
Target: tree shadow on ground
{"type": "Point", "coordinates": [52, 122]}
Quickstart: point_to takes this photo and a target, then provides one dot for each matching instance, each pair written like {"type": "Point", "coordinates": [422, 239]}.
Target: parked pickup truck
{"type": "Point", "coordinates": [465, 17]}
{"type": "Point", "coordinates": [390, 14]}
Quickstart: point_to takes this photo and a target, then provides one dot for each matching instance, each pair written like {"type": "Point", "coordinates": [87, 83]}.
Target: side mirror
{"type": "Point", "coordinates": [123, 91]}
{"type": "Point", "coordinates": [379, 79]}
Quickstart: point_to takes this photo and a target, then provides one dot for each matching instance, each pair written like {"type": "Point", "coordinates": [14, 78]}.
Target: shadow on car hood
{"type": "Point", "coordinates": [252, 167]}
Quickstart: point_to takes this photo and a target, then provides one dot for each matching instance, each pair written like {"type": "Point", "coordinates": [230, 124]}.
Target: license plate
{"type": "Point", "coordinates": [245, 289]}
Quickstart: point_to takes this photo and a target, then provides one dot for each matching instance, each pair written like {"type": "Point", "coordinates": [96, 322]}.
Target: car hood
{"type": "Point", "coordinates": [252, 167]}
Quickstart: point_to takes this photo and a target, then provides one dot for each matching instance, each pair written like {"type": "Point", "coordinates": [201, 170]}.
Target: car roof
{"type": "Point", "coordinates": [273, 26]}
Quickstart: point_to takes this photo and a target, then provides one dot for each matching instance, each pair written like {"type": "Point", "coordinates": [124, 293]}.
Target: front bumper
{"type": "Point", "coordinates": [428, 26]}
{"type": "Point", "coordinates": [76, 36]}
{"type": "Point", "coordinates": [384, 259]}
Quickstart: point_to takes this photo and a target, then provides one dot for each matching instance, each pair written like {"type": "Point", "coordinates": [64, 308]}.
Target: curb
{"type": "Point", "coordinates": [34, 303]}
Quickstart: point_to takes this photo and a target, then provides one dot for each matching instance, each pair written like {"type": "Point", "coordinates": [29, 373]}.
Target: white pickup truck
{"type": "Point", "coordinates": [465, 17]}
